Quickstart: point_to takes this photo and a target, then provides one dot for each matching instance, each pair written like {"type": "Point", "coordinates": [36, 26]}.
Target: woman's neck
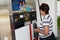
{"type": "Point", "coordinates": [45, 14]}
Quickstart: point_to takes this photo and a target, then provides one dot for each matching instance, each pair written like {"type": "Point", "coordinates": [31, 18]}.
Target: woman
{"type": "Point", "coordinates": [46, 24]}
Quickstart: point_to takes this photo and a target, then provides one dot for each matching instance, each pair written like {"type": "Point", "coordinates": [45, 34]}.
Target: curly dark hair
{"type": "Point", "coordinates": [44, 7]}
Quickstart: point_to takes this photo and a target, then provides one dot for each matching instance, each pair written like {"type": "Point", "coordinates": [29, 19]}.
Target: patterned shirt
{"type": "Point", "coordinates": [46, 20]}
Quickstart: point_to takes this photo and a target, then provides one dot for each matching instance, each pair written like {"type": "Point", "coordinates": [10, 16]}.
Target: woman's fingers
{"type": "Point", "coordinates": [37, 30]}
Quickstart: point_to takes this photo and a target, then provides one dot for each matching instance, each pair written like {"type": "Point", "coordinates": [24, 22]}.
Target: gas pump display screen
{"type": "Point", "coordinates": [18, 20]}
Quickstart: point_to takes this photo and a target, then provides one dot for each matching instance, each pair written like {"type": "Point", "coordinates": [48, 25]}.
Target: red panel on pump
{"type": "Point", "coordinates": [30, 32]}
{"type": "Point", "coordinates": [36, 38]}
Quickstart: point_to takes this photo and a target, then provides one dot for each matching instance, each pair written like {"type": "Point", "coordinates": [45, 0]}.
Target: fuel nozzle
{"type": "Point", "coordinates": [35, 33]}
{"type": "Point", "coordinates": [34, 25]}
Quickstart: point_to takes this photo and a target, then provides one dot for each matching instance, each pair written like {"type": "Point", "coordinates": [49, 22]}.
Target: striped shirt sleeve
{"type": "Point", "coordinates": [46, 22]}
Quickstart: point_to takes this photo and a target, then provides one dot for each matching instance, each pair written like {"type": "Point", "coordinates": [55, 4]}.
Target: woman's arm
{"type": "Point", "coordinates": [45, 31]}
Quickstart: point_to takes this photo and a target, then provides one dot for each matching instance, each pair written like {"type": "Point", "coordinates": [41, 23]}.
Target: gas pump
{"type": "Point", "coordinates": [23, 18]}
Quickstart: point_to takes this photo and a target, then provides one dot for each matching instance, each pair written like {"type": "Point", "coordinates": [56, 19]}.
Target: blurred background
{"type": "Point", "coordinates": [4, 7]}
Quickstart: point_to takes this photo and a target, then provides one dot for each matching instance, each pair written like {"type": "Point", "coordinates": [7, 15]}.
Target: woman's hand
{"type": "Point", "coordinates": [45, 31]}
{"type": "Point", "coordinates": [37, 30]}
